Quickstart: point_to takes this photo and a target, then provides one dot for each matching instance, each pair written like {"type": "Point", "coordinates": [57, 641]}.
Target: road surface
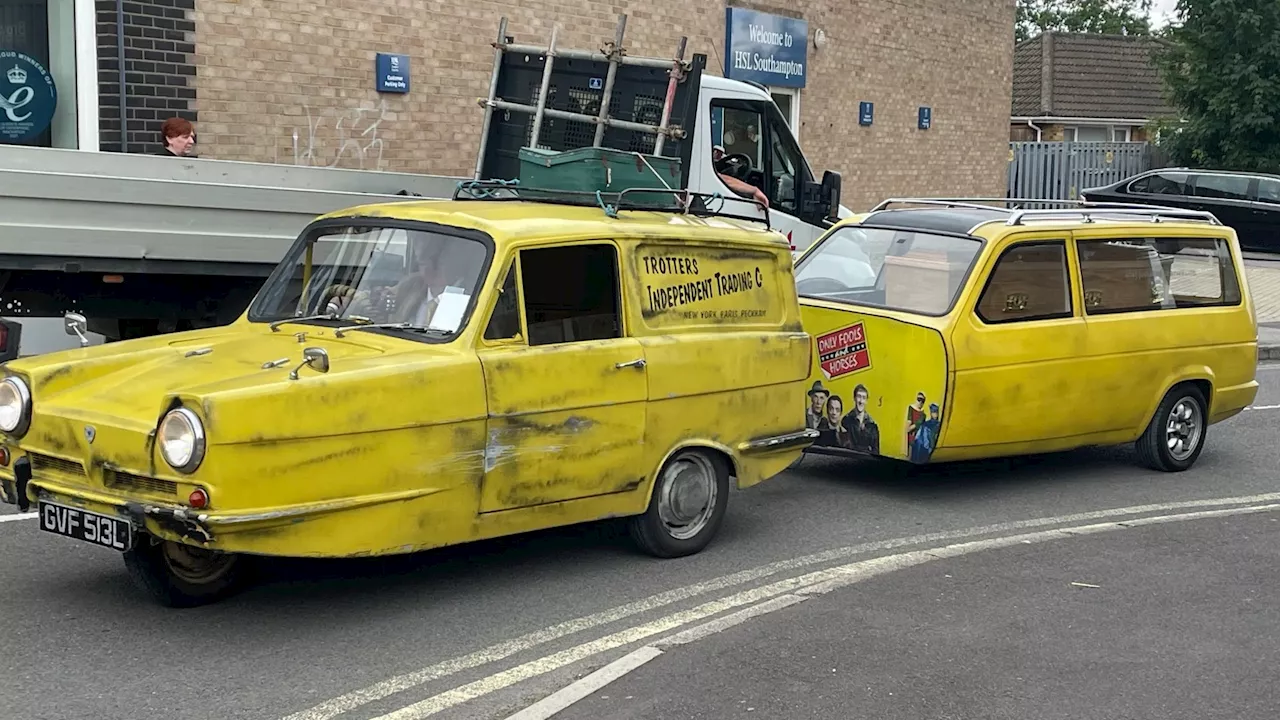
{"type": "Point", "coordinates": [483, 631]}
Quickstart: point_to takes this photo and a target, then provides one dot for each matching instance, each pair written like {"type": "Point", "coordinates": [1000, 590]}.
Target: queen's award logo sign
{"type": "Point", "coordinates": [27, 97]}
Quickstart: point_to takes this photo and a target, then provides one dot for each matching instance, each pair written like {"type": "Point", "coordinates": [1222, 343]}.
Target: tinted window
{"type": "Point", "coordinates": [1139, 274]}
{"type": "Point", "coordinates": [1029, 282]}
{"type": "Point", "coordinates": [1269, 190]}
{"type": "Point", "coordinates": [1223, 187]}
{"type": "Point", "coordinates": [571, 294]}
{"type": "Point", "coordinates": [1165, 183]}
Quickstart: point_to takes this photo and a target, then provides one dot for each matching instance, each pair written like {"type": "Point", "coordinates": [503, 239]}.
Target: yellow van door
{"type": "Point", "coordinates": [1016, 346]}
{"type": "Point", "coordinates": [567, 397]}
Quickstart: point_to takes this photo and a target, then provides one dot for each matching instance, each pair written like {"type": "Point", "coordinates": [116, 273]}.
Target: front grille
{"type": "Point", "coordinates": [128, 481]}
{"type": "Point", "coordinates": [57, 466]}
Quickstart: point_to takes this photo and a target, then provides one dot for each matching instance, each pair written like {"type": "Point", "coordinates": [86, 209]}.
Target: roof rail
{"type": "Point", "coordinates": [1087, 214]}
{"type": "Point", "coordinates": [1085, 210]}
{"type": "Point", "coordinates": [680, 201]}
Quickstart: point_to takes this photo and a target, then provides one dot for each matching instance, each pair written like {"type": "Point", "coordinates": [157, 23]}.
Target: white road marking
{"type": "Point", "coordinates": [13, 518]}
{"type": "Point", "coordinates": [1263, 407]}
{"type": "Point", "coordinates": [836, 578]}
{"type": "Point", "coordinates": [386, 688]}
{"type": "Point", "coordinates": [563, 698]}
{"type": "Point", "coordinates": [567, 696]}
{"type": "Point", "coordinates": [814, 583]}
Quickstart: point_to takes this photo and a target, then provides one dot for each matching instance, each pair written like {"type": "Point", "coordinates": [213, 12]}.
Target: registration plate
{"type": "Point", "coordinates": [104, 530]}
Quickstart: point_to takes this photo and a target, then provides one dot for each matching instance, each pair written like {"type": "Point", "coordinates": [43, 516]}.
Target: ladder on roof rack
{"type": "Point", "coordinates": [615, 54]}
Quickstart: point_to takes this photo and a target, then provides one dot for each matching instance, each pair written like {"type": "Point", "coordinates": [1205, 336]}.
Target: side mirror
{"type": "Point", "coordinates": [76, 324]}
{"type": "Point", "coordinates": [831, 182]}
{"type": "Point", "coordinates": [10, 339]}
{"type": "Point", "coordinates": [315, 358]}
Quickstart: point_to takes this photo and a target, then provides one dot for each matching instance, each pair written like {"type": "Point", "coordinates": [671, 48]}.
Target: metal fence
{"type": "Point", "coordinates": [1060, 170]}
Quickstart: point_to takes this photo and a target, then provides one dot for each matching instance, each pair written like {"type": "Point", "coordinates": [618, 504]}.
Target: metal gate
{"type": "Point", "coordinates": [1060, 170]}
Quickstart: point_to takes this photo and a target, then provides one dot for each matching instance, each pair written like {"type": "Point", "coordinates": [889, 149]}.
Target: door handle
{"type": "Point", "coordinates": [637, 364]}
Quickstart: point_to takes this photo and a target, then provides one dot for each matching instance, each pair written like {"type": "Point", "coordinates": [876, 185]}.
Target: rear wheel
{"type": "Point", "coordinates": [687, 507]}
{"type": "Point", "coordinates": [1175, 437]}
{"type": "Point", "coordinates": [181, 576]}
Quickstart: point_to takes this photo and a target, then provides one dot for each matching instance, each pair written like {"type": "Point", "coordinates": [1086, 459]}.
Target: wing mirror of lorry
{"type": "Point", "coordinates": [831, 181]}
{"type": "Point", "coordinates": [76, 324]}
{"type": "Point", "coordinates": [821, 201]}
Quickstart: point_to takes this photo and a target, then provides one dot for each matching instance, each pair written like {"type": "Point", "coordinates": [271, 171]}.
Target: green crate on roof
{"type": "Point", "coordinates": [592, 169]}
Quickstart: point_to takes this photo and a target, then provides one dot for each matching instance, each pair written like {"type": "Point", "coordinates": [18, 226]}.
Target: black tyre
{"type": "Point", "coordinates": [1176, 435]}
{"type": "Point", "coordinates": [688, 505]}
{"type": "Point", "coordinates": [182, 576]}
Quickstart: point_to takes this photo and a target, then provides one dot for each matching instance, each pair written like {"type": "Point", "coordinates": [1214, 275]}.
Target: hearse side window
{"type": "Point", "coordinates": [504, 324]}
{"type": "Point", "coordinates": [1165, 183]}
{"type": "Point", "coordinates": [1269, 191]}
{"type": "Point", "coordinates": [1138, 274]}
{"type": "Point", "coordinates": [1223, 187]}
{"type": "Point", "coordinates": [1029, 282]}
{"type": "Point", "coordinates": [571, 294]}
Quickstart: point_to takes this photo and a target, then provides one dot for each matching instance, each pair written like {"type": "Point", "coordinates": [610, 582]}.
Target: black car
{"type": "Point", "coordinates": [1247, 202]}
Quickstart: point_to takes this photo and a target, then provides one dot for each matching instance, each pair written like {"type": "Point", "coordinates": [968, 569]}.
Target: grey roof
{"type": "Point", "coordinates": [1085, 75]}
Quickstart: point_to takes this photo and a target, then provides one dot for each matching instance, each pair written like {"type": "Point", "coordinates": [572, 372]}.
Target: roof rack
{"type": "Point", "coordinates": [680, 201]}
{"type": "Point", "coordinates": [1087, 211]}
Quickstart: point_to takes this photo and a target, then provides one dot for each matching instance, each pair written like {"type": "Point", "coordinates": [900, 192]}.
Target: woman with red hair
{"type": "Point", "coordinates": [179, 137]}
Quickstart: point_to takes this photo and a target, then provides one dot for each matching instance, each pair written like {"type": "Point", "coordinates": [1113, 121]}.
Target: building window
{"type": "Point", "coordinates": [38, 73]}
{"type": "Point", "coordinates": [1097, 133]}
{"type": "Point", "coordinates": [788, 101]}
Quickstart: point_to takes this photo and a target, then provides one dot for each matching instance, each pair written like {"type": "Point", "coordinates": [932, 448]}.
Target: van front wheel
{"type": "Point", "coordinates": [687, 507]}
{"type": "Point", "coordinates": [183, 576]}
{"type": "Point", "coordinates": [1175, 437]}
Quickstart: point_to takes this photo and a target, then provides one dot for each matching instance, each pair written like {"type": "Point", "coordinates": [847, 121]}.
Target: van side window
{"type": "Point", "coordinates": [1137, 274]}
{"type": "Point", "coordinates": [1029, 282]}
{"type": "Point", "coordinates": [504, 324]}
{"type": "Point", "coordinates": [571, 294]}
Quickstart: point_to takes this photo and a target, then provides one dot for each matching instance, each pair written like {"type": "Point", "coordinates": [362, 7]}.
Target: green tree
{"type": "Point", "coordinates": [1221, 70]}
{"type": "Point", "coordinates": [1109, 17]}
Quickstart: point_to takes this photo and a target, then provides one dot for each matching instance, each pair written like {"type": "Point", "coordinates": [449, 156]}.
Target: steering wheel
{"type": "Point", "coordinates": [821, 286]}
{"type": "Point", "coordinates": [736, 165]}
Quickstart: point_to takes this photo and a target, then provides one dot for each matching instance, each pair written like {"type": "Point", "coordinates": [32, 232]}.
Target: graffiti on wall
{"type": "Point", "coordinates": [337, 137]}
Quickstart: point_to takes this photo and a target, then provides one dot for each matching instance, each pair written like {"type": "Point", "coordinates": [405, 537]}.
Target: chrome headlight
{"type": "Point", "coordinates": [15, 405]}
{"type": "Point", "coordinates": [182, 441]}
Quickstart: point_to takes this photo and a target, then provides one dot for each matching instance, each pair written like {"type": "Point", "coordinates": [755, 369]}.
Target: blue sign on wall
{"type": "Point", "coordinates": [926, 118]}
{"type": "Point", "coordinates": [392, 72]}
{"type": "Point", "coordinates": [28, 97]}
{"type": "Point", "coordinates": [866, 113]}
{"type": "Point", "coordinates": [763, 48]}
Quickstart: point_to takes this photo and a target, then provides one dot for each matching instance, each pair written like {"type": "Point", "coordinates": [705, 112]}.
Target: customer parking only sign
{"type": "Point", "coordinates": [768, 49]}
{"type": "Point", "coordinates": [27, 98]}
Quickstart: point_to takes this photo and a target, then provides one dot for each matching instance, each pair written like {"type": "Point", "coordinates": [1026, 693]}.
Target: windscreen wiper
{"type": "Point", "coordinates": [275, 326]}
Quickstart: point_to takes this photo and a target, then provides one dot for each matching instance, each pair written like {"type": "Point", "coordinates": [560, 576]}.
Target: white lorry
{"type": "Point", "coordinates": [144, 244]}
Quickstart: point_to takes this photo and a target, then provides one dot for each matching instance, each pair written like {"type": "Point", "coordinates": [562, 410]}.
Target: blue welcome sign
{"type": "Point", "coordinates": [763, 48]}
{"type": "Point", "coordinates": [392, 73]}
{"type": "Point", "coordinates": [28, 97]}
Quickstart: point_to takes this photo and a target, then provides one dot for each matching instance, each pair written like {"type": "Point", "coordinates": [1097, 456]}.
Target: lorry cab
{"type": "Point", "coordinates": [955, 330]}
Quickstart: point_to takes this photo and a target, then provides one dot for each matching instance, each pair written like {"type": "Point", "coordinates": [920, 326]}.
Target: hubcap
{"type": "Point", "coordinates": [195, 565]}
{"type": "Point", "coordinates": [687, 496]}
{"type": "Point", "coordinates": [1183, 429]}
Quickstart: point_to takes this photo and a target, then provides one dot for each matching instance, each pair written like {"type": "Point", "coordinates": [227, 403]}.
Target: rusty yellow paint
{"type": "Point", "coordinates": [1051, 385]}
{"type": "Point", "coordinates": [402, 445]}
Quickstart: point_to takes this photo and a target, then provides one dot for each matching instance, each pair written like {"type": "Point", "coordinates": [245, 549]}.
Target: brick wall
{"type": "Point", "coordinates": [160, 72]}
{"type": "Point", "coordinates": [291, 81]}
